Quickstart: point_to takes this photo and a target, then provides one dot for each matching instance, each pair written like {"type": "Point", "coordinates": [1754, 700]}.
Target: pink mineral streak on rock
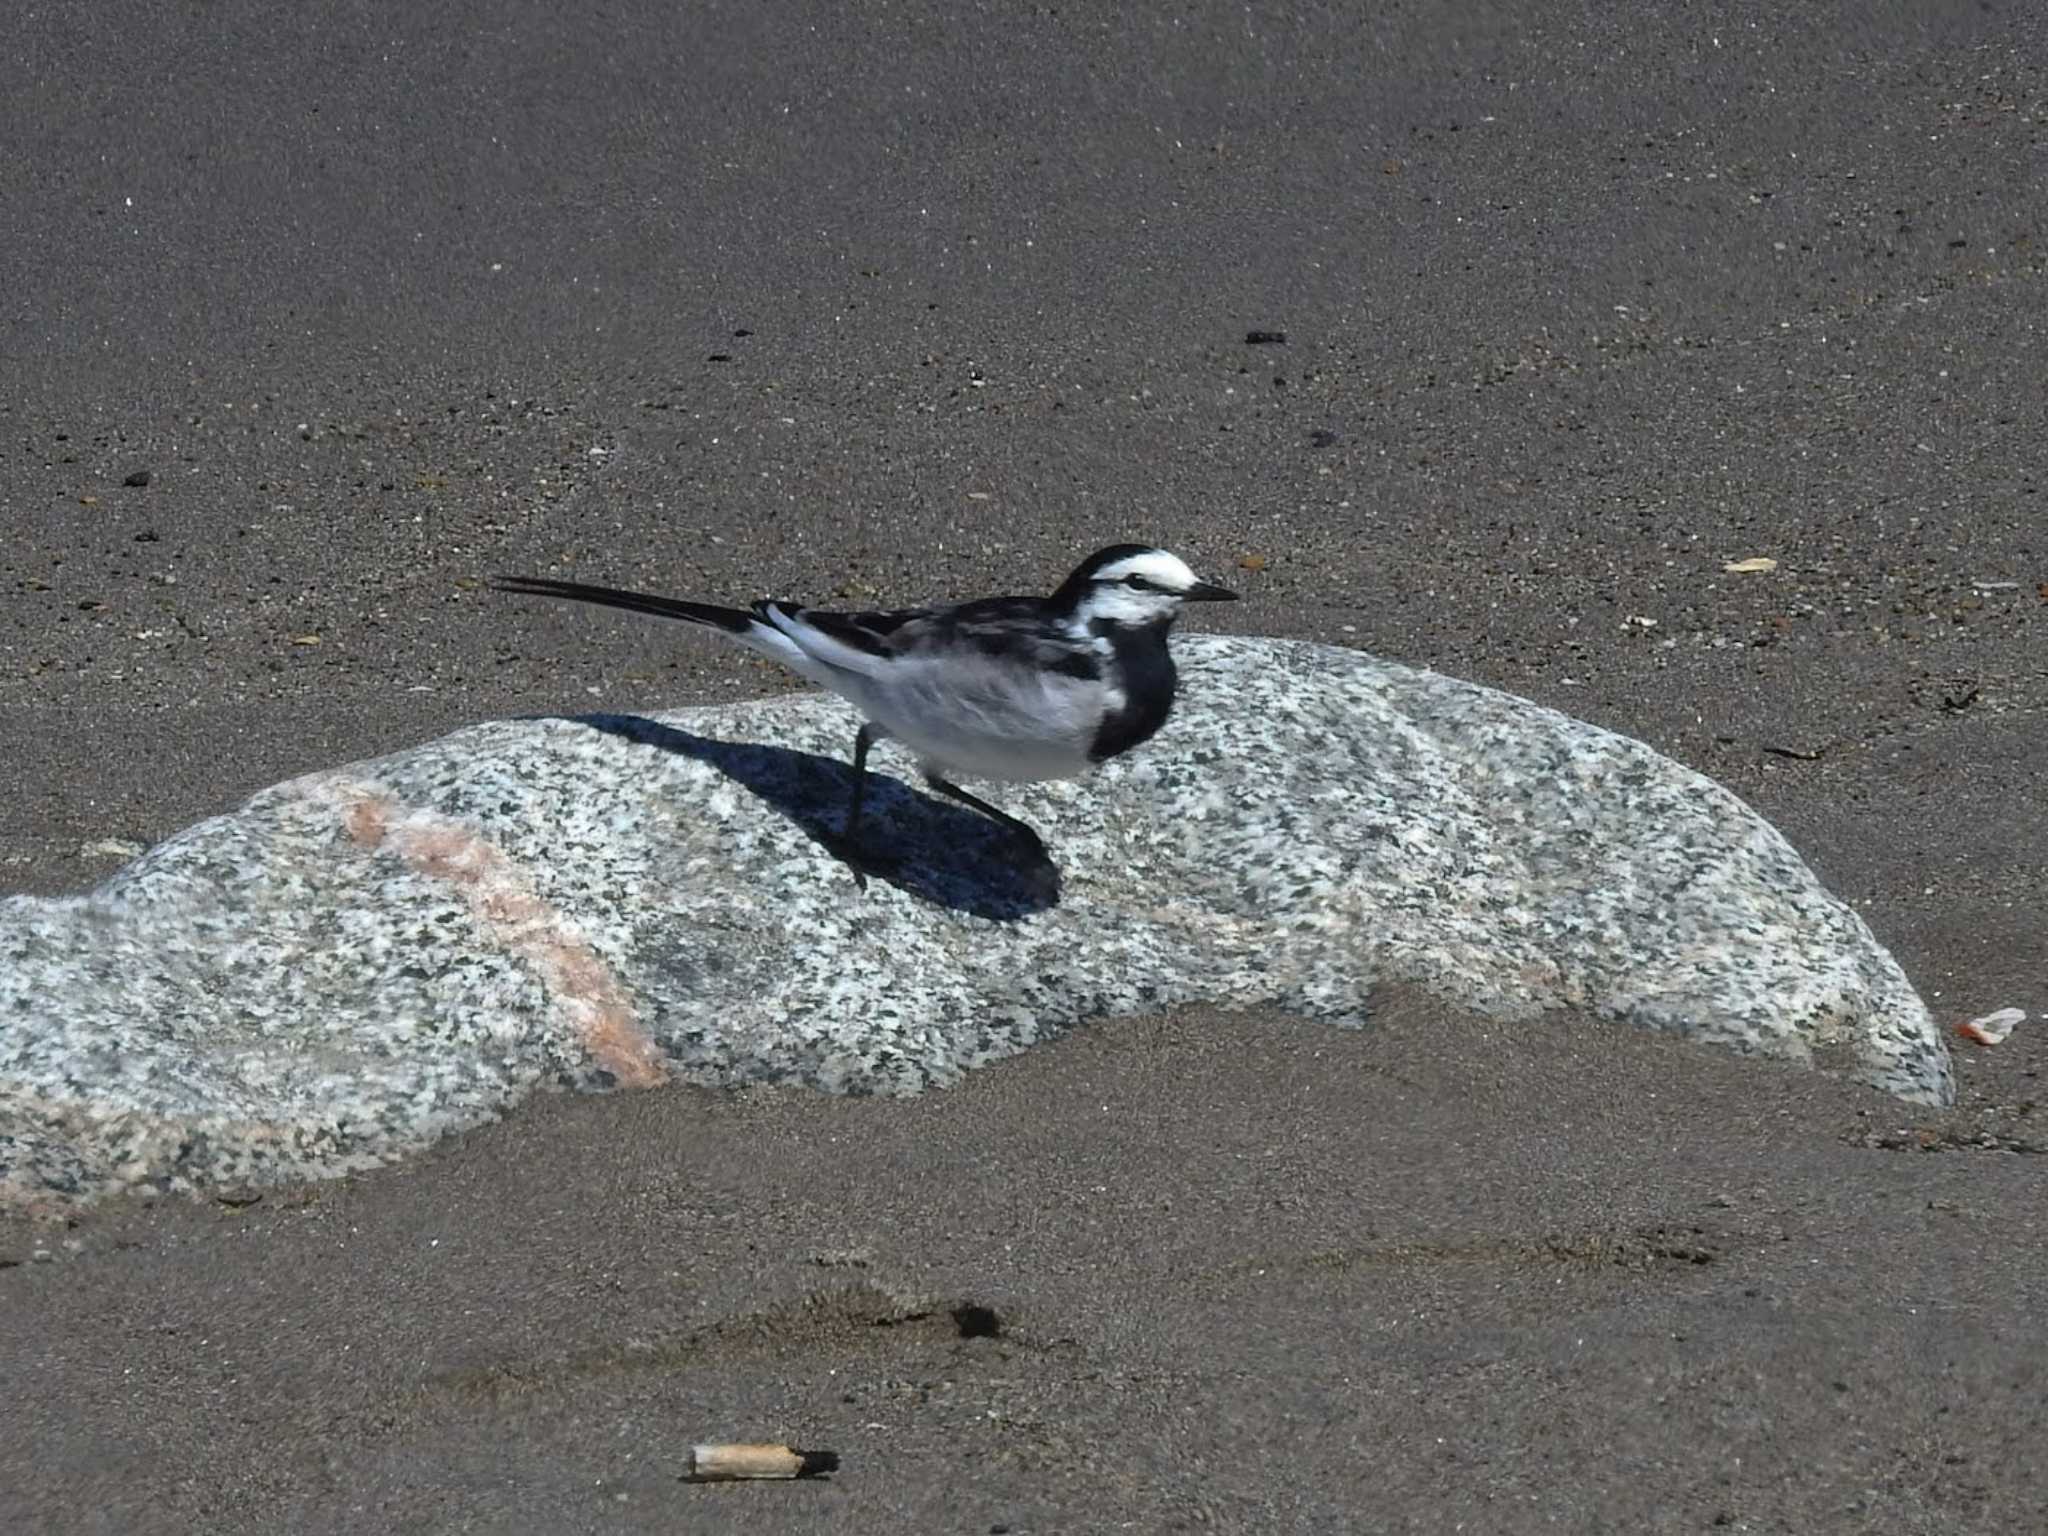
{"type": "Point", "coordinates": [508, 908]}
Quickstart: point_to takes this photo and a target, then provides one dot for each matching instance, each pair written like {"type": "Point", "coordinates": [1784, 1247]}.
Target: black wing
{"type": "Point", "coordinates": [1018, 629]}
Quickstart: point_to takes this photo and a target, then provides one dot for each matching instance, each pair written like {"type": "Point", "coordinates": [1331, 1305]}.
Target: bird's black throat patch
{"type": "Point", "coordinates": [1146, 669]}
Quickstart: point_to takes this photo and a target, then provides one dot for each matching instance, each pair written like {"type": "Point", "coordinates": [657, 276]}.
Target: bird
{"type": "Point", "coordinates": [1010, 689]}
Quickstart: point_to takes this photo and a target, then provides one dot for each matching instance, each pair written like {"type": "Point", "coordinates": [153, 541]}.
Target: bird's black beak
{"type": "Point", "coordinates": [1205, 592]}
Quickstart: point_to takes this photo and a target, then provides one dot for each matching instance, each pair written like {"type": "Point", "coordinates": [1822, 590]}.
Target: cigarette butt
{"type": "Point", "coordinates": [729, 1463]}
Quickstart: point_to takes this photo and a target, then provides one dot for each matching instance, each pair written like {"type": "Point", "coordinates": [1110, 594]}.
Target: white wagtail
{"type": "Point", "coordinates": [1009, 688]}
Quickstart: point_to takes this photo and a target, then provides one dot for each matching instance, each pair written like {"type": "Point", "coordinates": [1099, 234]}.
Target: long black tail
{"type": "Point", "coordinates": [733, 620]}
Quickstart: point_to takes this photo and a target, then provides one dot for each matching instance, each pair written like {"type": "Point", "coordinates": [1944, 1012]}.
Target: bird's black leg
{"type": "Point", "coordinates": [1023, 829]}
{"type": "Point", "coordinates": [861, 742]}
{"type": "Point", "coordinates": [847, 844]}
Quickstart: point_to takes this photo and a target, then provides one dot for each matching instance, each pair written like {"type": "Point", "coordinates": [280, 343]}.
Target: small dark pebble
{"type": "Point", "coordinates": [1265, 338]}
{"type": "Point", "coordinates": [147, 536]}
{"type": "Point", "coordinates": [1321, 438]}
{"type": "Point", "coordinates": [719, 357]}
{"type": "Point", "coordinates": [976, 1321]}
{"type": "Point", "coordinates": [743, 331]}
{"type": "Point", "coordinates": [139, 479]}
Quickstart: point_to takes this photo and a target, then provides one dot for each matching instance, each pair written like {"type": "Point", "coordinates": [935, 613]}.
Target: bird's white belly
{"type": "Point", "coordinates": [1015, 736]}
{"type": "Point", "coordinates": [1011, 762]}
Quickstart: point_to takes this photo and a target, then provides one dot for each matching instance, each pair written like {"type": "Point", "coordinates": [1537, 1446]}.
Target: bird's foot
{"type": "Point", "coordinates": [1025, 840]}
{"type": "Point", "coordinates": [1030, 862]}
{"type": "Point", "coordinates": [859, 858]}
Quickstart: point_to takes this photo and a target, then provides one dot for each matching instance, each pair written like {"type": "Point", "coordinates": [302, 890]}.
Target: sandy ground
{"type": "Point", "coordinates": [925, 302]}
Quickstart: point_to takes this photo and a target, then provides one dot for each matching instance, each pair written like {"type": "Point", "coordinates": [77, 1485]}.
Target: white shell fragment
{"type": "Point", "coordinates": [357, 963]}
{"type": "Point", "coordinates": [1993, 1028]}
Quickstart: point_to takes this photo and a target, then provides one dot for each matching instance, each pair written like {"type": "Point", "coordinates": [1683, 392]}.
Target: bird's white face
{"type": "Point", "coordinates": [1144, 588]}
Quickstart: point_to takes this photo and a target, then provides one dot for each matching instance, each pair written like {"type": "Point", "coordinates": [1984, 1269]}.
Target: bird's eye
{"type": "Point", "coordinates": [1136, 582]}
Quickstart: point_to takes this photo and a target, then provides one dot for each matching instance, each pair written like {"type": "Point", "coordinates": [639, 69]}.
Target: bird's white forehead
{"type": "Point", "coordinates": [1155, 565]}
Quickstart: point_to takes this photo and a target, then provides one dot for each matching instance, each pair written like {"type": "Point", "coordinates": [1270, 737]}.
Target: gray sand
{"type": "Point", "coordinates": [1577, 313]}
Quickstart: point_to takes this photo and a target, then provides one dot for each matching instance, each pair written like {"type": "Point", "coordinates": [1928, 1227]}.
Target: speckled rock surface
{"type": "Point", "coordinates": [358, 962]}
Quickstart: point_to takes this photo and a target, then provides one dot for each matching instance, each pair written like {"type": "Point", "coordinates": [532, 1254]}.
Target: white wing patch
{"type": "Point", "coordinates": [821, 647]}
